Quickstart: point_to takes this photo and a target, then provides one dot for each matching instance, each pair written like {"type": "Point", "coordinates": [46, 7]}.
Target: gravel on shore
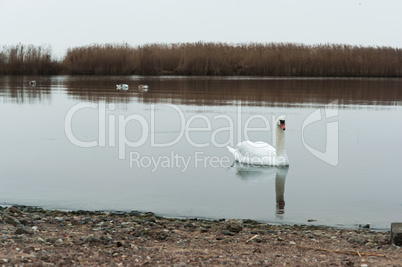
{"type": "Point", "coordinates": [32, 236]}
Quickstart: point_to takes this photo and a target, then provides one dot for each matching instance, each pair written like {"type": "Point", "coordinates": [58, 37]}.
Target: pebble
{"type": "Point", "coordinates": [14, 210]}
{"type": "Point", "coordinates": [22, 231]}
{"type": "Point", "coordinates": [203, 230]}
{"type": "Point", "coordinates": [234, 226]}
{"type": "Point", "coordinates": [317, 233]}
{"type": "Point", "coordinates": [190, 225]}
{"type": "Point", "coordinates": [107, 238]}
{"type": "Point", "coordinates": [257, 239]}
{"type": "Point", "coordinates": [227, 232]}
{"type": "Point", "coordinates": [180, 264]}
{"type": "Point", "coordinates": [10, 220]}
{"type": "Point", "coordinates": [91, 239]}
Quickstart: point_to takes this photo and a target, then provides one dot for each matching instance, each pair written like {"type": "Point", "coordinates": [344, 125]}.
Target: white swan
{"type": "Point", "coordinates": [122, 87]}
{"type": "Point", "coordinates": [261, 153]}
{"type": "Point", "coordinates": [143, 88]}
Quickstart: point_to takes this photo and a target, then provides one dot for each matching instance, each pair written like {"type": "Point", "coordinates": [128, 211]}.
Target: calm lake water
{"type": "Point", "coordinates": [75, 142]}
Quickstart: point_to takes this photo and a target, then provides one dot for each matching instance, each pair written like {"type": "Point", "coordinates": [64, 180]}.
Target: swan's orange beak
{"type": "Point", "coordinates": [283, 126]}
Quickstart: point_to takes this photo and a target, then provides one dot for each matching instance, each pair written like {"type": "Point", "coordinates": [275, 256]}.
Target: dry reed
{"type": "Point", "coordinates": [28, 59]}
{"type": "Point", "coordinates": [251, 59]}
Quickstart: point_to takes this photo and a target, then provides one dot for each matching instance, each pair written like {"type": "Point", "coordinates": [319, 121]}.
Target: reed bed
{"type": "Point", "coordinates": [208, 59]}
{"type": "Point", "coordinates": [28, 59]}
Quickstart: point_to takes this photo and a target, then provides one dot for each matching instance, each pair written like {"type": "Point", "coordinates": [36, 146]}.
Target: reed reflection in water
{"type": "Point", "coordinates": [200, 91]}
{"type": "Point", "coordinates": [19, 89]}
{"type": "Point", "coordinates": [247, 91]}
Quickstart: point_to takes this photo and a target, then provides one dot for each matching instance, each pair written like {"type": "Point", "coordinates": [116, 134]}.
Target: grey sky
{"type": "Point", "coordinates": [64, 24]}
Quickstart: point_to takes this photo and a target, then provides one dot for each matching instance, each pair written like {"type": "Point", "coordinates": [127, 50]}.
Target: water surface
{"type": "Point", "coordinates": [41, 166]}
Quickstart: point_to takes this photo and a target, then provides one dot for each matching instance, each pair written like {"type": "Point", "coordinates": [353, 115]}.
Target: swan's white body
{"type": "Point", "coordinates": [261, 153]}
{"type": "Point", "coordinates": [143, 88]}
{"type": "Point", "coordinates": [122, 87]}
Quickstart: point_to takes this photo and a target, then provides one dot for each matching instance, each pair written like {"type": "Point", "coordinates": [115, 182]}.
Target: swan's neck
{"type": "Point", "coordinates": [280, 146]}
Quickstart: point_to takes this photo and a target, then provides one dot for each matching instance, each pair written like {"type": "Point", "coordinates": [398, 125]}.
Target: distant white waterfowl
{"type": "Point", "coordinates": [122, 86]}
{"type": "Point", "coordinates": [261, 153]}
{"type": "Point", "coordinates": [32, 83]}
{"type": "Point", "coordinates": [143, 87]}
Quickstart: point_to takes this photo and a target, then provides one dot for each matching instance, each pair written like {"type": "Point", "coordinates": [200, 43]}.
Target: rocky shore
{"type": "Point", "coordinates": [36, 237]}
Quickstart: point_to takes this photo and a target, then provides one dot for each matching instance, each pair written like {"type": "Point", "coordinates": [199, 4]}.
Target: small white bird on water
{"type": "Point", "coordinates": [143, 88]}
{"type": "Point", "coordinates": [122, 86]}
{"type": "Point", "coordinates": [261, 153]}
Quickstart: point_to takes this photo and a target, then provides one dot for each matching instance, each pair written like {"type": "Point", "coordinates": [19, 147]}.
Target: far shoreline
{"type": "Point", "coordinates": [207, 59]}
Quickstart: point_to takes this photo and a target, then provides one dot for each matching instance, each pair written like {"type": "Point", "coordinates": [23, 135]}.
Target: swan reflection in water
{"type": "Point", "coordinates": [252, 173]}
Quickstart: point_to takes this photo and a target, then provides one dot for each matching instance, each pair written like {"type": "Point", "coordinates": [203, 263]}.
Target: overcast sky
{"type": "Point", "coordinates": [64, 24]}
